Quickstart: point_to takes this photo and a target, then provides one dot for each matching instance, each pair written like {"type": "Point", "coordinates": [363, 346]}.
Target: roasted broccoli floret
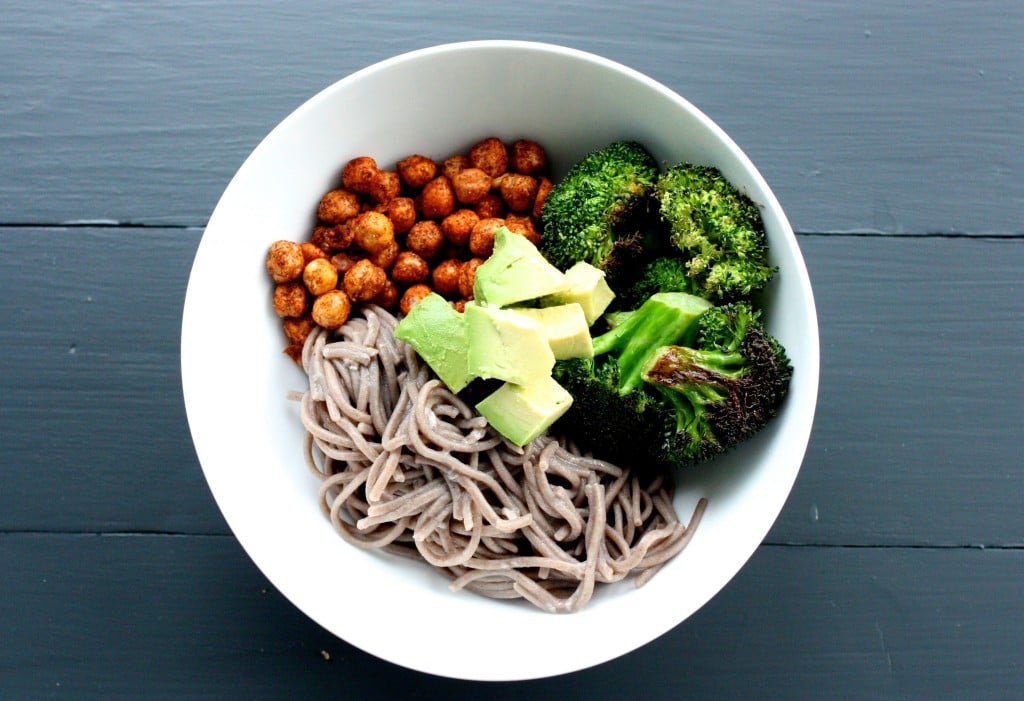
{"type": "Point", "coordinates": [667, 273]}
{"type": "Point", "coordinates": [596, 212]}
{"type": "Point", "coordinates": [717, 229]}
{"type": "Point", "coordinates": [676, 382]}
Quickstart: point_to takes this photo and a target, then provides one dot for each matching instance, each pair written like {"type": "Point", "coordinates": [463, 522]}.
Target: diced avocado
{"type": "Point", "coordinates": [505, 344]}
{"type": "Point", "coordinates": [585, 285]}
{"type": "Point", "coordinates": [440, 335]}
{"type": "Point", "coordinates": [566, 329]}
{"type": "Point", "coordinates": [523, 412]}
{"type": "Point", "coordinates": [515, 272]}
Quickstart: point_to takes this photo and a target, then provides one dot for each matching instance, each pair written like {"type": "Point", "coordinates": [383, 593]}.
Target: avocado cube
{"type": "Point", "coordinates": [523, 412]}
{"type": "Point", "coordinates": [566, 329]}
{"type": "Point", "coordinates": [515, 272]}
{"type": "Point", "coordinates": [585, 285]}
{"type": "Point", "coordinates": [505, 344]}
{"type": "Point", "coordinates": [439, 334]}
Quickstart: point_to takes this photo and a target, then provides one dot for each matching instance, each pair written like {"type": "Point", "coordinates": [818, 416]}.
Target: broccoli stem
{"type": "Point", "coordinates": [663, 320]}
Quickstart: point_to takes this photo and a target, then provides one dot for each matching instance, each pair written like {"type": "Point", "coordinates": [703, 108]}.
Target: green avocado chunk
{"type": "Point", "coordinates": [505, 344]}
{"type": "Point", "coordinates": [585, 285]}
{"type": "Point", "coordinates": [566, 328]}
{"type": "Point", "coordinates": [523, 412]}
{"type": "Point", "coordinates": [515, 272]}
{"type": "Point", "coordinates": [439, 334]}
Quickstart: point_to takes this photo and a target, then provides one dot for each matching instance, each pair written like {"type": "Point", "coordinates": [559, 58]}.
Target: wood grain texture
{"type": "Point", "coordinates": [914, 443]}
{"type": "Point", "coordinates": [92, 616]}
{"type": "Point", "coordinates": [863, 116]}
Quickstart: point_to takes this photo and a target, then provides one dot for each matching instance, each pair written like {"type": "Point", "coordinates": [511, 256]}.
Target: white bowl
{"type": "Point", "coordinates": [247, 433]}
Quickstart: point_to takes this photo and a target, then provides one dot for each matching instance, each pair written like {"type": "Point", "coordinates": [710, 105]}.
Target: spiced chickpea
{"type": "Point", "coordinates": [386, 257]}
{"type": "Point", "coordinates": [413, 295]}
{"type": "Point", "coordinates": [524, 225]}
{"type": "Point", "coordinates": [385, 186]}
{"type": "Point", "coordinates": [409, 268]}
{"type": "Point", "coordinates": [373, 231]}
{"type": "Point", "coordinates": [357, 175]}
{"type": "Point", "coordinates": [332, 238]}
{"type": "Point", "coordinates": [454, 165]}
{"type": "Point", "coordinates": [290, 299]}
{"type": "Point", "coordinates": [458, 226]}
{"type": "Point", "coordinates": [310, 251]}
{"type": "Point", "coordinates": [425, 239]}
{"type": "Point", "coordinates": [337, 206]}
{"type": "Point", "coordinates": [437, 198]}
{"type": "Point", "coordinates": [544, 186]}
{"type": "Point", "coordinates": [490, 156]}
{"type": "Point", "coordinates": [471, 185]}
{"type": "Point", "coordinates": [402, 213]}
{"type": "Point", "coordinates": [459, 305]}
{"type": "Point", "coordinates": [344, 260]}
{"type": "Point", "coordinates": [297, 329]}
{"type": "Point", "coordinates": [284, 261]}
{"type": "Point", "coordinates": [518, 191]}
{"type": "Point", "coordinates": [364, 281]}
{"type": "Point", "coordinates": [294, 351]}
{"type": "Point", "coordinates": [388, 297]}
{"type": "Point", "coordinates": [481, 239]}
{"type": "Point", "coordinates": [467, 276]}
{"type": "Point", "coordinates": [331, 309]}
{"type": "Point", "coordinates": [319, 276]}
{"type": "Point", "coordinates": [490, 206]}
{"type": "Point", "coordinates": [528, 157]}
{"type": "Point", "coordinates": [445, 277]}
{"type": "Point", "coordinates": [417, 170]}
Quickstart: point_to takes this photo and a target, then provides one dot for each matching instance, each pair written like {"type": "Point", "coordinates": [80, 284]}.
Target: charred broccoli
{"type": "Point", "coordinates": [675, 382]}
{"type": "Point", "coordinates": [667, 273]}
{"type": "Point", "coordinates": [717, 229]}
{"type": "Point", "coordinates": [593, 214]}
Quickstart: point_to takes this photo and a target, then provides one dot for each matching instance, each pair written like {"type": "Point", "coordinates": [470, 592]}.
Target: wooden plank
{"type": "Point", "coordinates": [95, 435]}
{"type": "Point", "coordinates": [863, 116]}
{"type": "Point", "coordinates": [91, 616]}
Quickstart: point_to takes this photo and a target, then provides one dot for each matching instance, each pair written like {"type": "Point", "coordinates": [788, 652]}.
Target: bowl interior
{"type": "Point", "coordinates": [247, 435]}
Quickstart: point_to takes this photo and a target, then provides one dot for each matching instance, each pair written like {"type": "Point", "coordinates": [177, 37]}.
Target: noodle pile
{"type": "Point", "coordinates": [408, 467]}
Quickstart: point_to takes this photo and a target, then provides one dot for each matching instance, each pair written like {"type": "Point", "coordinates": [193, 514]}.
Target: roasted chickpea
{"type": "Point", "coordinates": [310, 251]}
{"type": "Point", "coordinates": [467, 276]}
{"type": "Point", "coordinates": [445, 277]}
{"type": "Point", "coordinates": [331, 309]}
{"type": "Point", "coordinates": [297, 329]}
{"type": "Point", "coordinates": [385, 186]}
{"type": "Point", "coordinates": [294, 351]}
{"type": "Point", "coordinates": [332, 238]}
{"type": "Point", "coordinates": [344, 260]}
{"type": "Point", "coordinates": [364, 281]}
{"type": "Point", "coordinates": [544, 186]}
{"type": "Point", "coordinates": [416, 170]}
{"type": "Point", "coordinates": [454, 165]}
{"type": "Point", "coordinates": [357, 175]}
{"type": "Point", "coordinates": [490, 206]}
{"type": "Point", "coordinates": [373, 231]}
{"type": "Point", "coordinates": [386, 256]}
{"type": "Point", "coordinates": [459, 305]}
{"type": "Point", "coordinates": [290, 299]}
{"type": "Point", "coordinates": [490, 156]}
{"type": "Point", "coordinates": [284, 261]}
{"type": "Point", "coordinates": [409, 268]}
{"type": "Point", "coordinates": [337, 206]}
{"type": "Point", "coordinates": [523, 225]}
{"type": "Point", "coordinates": [518, 191]}
{"type": "Point", "coordinates": [481, 240]}
{"type": "Point", "coordinates": [437, 198]}
{"type": "Point", "coordinates": [320, 276]}
{"type": "Point", "coordinates": [471, 185]}
{"type": "Point", "coordinates": [402, 213]}
{"type": "Point", "coordinates": [388, 297]}
{"type": "Point", "coordinates": [458, 226]}
{"type": "Point", "coordinates": [413, 295]}
{"type": "Point", "coordinates": [528, 157]}
{"type": "Point", "coordinates": [425, 239]}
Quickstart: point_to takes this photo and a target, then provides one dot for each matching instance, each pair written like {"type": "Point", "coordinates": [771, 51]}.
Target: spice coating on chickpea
{"type": "Point", "coordinates": [425, 239]}
{"type": "Point", "coordinates": [385, 186]}
{"type": "Point", "coordinates": [357, 175]}
{"type": "Point", "coordinates": [454, 165]}
{"type": "Point", "coordinates": [337, 206]}
{"type": "Point", "coordinates": [490, 206]}
{"type": "Point", "coordinates": [402, 213]}
{"type": "Point", "coordinates": [364, 281]}
{"type": "Point", "coordinates": [310, 251]}
{"type": "Point", "coordinates": [290, 299]}
{"type": "Point", "coordinates": [458, 226]}
{"type": "Point", "coordinates": [524, 226]}
{"type": "Point", "coordinates": [411, 296]}
{"type": "Point", "coordinates": [467, 276]}
{"type": "Point", "coordinates": [528, 157]}
{"type": "Point", "coordinates": [471, 185]}
{"type": "Point", "coordinates": [437, 198]}
{"type": "Point", "coordinates": [481, 240]}
{"type": "Point", "coordinates": [544, 186]}
{"type": "Point", "coordinates": [386, 257]}
{"type": "Point", "coordinates": [331, 310]}
{"type": "Point", "coordinates": [518, 191]}
{"type": "Point", "coordinates": [409, 268]}
{"type": "Point", "coordinates": [490, 156]}
{"type": "Point", "coordinates": [297, 329]}
{"type": "Point", "coordinates": [284, 261]}
{"type": "Point", "coordinates": [332, 238]}
{"type": "Point", "coordinates": [320, 276]}
{"type": "Point", "coordinates": [344, 260]}
{"type": "Point", "coordinates": [417, 170]}
{"type": "Point", "coordinates": [388, 297]}
{"type": "Point", "coordinates": [445, 277]}
{"type": "Point", "coordinates": [373, 231]}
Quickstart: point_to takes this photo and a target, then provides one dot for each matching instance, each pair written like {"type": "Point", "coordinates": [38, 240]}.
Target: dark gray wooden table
{"type": "Point", "coordinates": [894, 138]}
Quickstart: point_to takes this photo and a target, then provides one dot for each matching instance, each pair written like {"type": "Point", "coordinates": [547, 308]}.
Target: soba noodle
{"type": "Point", "coordinates": [408, 467]}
